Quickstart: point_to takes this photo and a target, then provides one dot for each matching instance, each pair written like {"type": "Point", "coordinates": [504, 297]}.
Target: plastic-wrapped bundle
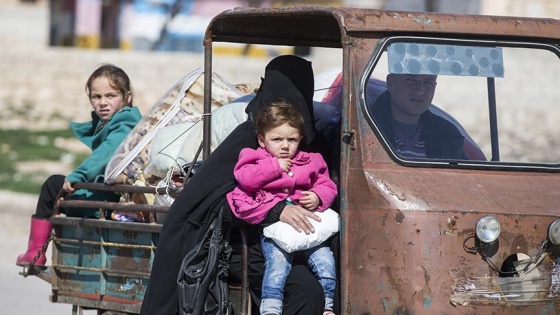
{"type": "Point", "coordinates": [181, 103]}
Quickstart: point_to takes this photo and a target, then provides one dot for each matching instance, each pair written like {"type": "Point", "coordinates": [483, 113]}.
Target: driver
{"type": "Point", "coordinates": [412, 131]}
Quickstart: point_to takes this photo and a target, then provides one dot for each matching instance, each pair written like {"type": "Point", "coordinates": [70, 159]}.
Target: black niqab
{"type": "Point", "coordinates": [288, 78]}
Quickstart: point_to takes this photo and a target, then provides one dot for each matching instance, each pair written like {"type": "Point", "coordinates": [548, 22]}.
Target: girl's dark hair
{"type": "Point", "coordinates": [118, 79]}
{"type": "Point", "coordinates": [276, 114]}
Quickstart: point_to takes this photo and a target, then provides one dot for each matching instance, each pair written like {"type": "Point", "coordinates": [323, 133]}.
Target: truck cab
{"type": "Point", "coordinates": [474, 233]}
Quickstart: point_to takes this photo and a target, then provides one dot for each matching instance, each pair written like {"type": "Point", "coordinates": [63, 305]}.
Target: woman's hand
{"type": "Point", "coordinates": [68, 187]}
{"type": "Point", "coordinates": [298, 217]}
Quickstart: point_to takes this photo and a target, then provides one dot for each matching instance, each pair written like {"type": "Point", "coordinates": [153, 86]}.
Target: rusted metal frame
{"type": "Point", "coordinates": [126, 188]}
{"type": "Point", "coordinates": [289, 10]}
{"type": "Point", "coordinates": [43, 274]}
{"type": "Point", "coordinates": [295, 11]}
{"type": "Point", "coordinates": [189, 172]}
{"type": "Point", "coordinates": [60, 196]}
{"type": "Point", "coordinates": [94, 301]}
{"type": "Point", "coordinates": [347, 54]}
{"type": "Point", "coordinates": [106, 224]}
{"type": "Point", "coordinates": [113, 206]}
{"type": "Point", "coordinates": [207, 113]}
{"type": "Point", "coordinates": [103, 257]}
{"type": "Point", "coordinates": [111, 272]}
{"type": "Point", "coordinates": [54, 279]}
{"type": "Point", "coordinates": [102, 305]}
{"type": "Point", "coordinates": [306, 26]}
{"type": "Point", "coordinates": [104, 205]}
{"type": "Point", "coordinates": [107, 244]}
{"type": "Point", "coordinates": [371, 20]}
{"type": "Point", "coordinates": [274, 41]}
{"type": "Point", "coordinates": [268, 33]}
{"type": "Point", "coordinates": [245, 296]}
{"type": "Point", "coordinates": [493, 116]}
{"type": "Point", "coordinates": [399, 21]}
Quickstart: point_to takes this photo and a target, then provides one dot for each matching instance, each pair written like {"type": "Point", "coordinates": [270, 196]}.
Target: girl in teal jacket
{"type": "Point", "coordinates": [113, 117]}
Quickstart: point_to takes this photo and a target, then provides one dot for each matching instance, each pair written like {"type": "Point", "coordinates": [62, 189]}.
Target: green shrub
{"type": "Point", "coordinates": [19, 145]}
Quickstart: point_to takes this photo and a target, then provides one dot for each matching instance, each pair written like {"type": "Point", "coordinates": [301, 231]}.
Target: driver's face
{"type": "Point", "coordinates": [411, 95]}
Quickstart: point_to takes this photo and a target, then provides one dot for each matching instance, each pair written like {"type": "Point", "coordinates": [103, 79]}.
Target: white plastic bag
{"type": "Point", "coordinates": [164, 152]}
{"type": "Point", "coordinates": [176, 146]}
{"type": "Point", "coordinates": [290, 240]}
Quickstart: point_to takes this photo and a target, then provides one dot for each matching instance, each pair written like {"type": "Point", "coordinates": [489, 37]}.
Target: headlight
{"type": "Point", "coordinates": [554, 232]}
{"type": "Point", "coordinates": [488, 229]}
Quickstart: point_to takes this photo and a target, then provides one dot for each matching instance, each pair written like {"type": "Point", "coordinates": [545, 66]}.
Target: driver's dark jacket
{"type": "Point", "coordinates": [441, 138]}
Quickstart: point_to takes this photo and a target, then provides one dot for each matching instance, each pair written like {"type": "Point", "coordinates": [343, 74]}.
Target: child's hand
{"type": "Point", "coordinates": [68, 187]}
{"type": "Point", "coordinates": [310, 201]}
{"type": "Point", "coordinates": [285, 165]}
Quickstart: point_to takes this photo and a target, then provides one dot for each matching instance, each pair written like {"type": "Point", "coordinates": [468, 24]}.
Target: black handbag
{"type": "Point", "coordinates": [202, 281]}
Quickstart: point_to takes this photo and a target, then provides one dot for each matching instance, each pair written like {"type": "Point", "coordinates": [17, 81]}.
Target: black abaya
{"type": "Point", "coordinates": [286, 77]}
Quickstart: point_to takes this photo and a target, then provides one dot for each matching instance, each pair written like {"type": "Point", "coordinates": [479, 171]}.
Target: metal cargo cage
{"type": "Point", "coordinates": [102, 264]}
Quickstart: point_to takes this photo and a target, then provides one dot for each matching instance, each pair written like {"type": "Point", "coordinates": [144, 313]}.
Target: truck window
{"type": "Point", "coordinates": [465, 102]}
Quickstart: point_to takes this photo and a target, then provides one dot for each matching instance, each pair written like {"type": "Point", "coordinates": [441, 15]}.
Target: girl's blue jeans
{"type": "Point", "coordinates": [278, 263]}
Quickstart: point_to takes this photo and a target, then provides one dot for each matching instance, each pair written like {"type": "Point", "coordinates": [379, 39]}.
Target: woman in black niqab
{"type": "Point", "coordinates": [287, 78]}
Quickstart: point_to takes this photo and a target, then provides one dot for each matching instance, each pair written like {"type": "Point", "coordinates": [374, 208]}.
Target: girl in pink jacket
{"type": "Point", "coordinates": [278, 171]}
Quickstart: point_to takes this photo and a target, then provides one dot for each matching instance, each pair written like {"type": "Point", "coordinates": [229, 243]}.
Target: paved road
{"type": "Point", "coordinates": [26, 295]}
{"type": "Point", "coordinates": [19, 295]}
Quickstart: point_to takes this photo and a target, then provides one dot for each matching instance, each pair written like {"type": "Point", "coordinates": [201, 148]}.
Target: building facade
{"type": "Point", "coordinates": [179, 25]}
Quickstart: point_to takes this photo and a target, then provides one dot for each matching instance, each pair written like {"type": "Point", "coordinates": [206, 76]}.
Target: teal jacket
{"type": "Point", "coordinates": [103, 142]}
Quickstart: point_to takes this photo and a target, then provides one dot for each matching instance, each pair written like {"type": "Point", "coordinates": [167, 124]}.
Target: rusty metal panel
{"type": "Point", "coordinates": [414, 262]}
{"type": "Point", "coordinates": [328, 26]}
{"type": "Point", "coordinates": [407, 233]}
{"type": "Point", "coordinates": [359, 20]}
{"type": "Point", "coordinates": [101, 265]}
{"type": "Point", "coordinates": [296, 25]}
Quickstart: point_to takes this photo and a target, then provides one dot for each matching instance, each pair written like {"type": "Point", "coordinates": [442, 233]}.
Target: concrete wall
{"type": "Point", "coordinates": [47, 84]}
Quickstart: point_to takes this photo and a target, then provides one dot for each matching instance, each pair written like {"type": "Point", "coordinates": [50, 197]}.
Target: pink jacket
{"type": "Point", "coordinates": [262, 184]}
